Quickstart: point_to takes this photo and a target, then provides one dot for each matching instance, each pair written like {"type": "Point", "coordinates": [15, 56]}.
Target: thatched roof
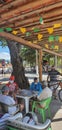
{"type": "Point", "coordinates": [38, 21]}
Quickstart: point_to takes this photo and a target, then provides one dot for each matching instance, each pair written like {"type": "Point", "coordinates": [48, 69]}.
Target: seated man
{"type": "Point", "coordinates": [46, 93]}
{"type": "Point", "coordinates": [36, 86]}
{"type": "Point", "coordinates": [6, 99]}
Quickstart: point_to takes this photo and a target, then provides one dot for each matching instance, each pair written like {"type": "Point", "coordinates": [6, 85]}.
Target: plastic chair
{"type": "Point", "coordinates": [5, 108]}
{"type": "Point", "coordinates": [11, 128]}
{"type": "Point", "coordinates": [46, 106]}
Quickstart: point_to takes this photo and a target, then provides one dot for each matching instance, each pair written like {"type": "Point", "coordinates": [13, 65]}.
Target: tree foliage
{"type": "Point", "coordinates": [29, 55]}
{"type": "Point", "coordinates": [3, 42]}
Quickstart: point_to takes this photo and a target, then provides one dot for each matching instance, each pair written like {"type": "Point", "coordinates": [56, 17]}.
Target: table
{"type": "Point", "coordinates": [26, 94]}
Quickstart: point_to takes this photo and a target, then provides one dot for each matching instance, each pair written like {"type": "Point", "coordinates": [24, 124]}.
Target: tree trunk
{"type": "Point", "coordinates": [17, 64]}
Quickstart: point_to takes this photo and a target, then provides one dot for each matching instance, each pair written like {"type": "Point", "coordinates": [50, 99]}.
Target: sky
{"type": "Point", "coordinates": [4, 53]}
{"type": "Point", "coordinates": [4, 49]}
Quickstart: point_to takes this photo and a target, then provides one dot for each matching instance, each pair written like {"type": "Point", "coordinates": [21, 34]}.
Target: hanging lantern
{"type": "Point", "coordinates": [14, 32]}
{"type": "Point", "coordinates": [60, 39]}
{"type": "Point", "coordinates": [40, 37]}
{"type": "Point", "coordinates": [56, 38]}
{"type": "Point", "coordinates": [36, 30]}
{"type": "Point", "coordinates": [46, 45]}
{"type": "Point", "coordinates": [50, 30]}
{"type": "Point", "coordinates": [51, 38]}
{"type": "Point", "coordinates": [28, 34]}
{"type": "Point", "coordinates": [56, 47]}
{"type": "Point", "coordinates": [1, 29]}
{"type": "Point", "coordinates": [52, 46]}
{"type": "Point", "coordinates": [35, 41]}
{"type": "Point", "coordinates": [57, 25]}
{"type": "Point", "coordinates": [41, 20]}
{"type": "Point", "coordinates": [8, 29]}
{"type": "Point", "coordinates": [23, 30]}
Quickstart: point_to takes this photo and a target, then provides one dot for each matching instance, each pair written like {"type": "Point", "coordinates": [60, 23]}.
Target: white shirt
{"type": "Point", "coordinates": [46, 93]}
{"type": "Point", "coordinates": [8, 101]}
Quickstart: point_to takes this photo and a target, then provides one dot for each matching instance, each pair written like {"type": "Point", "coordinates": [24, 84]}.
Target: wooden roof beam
{"type": "Point", "coordinates": [29, 7]}
{"type": "Point", "coordinates": [19, 40]}
{"type": "Point", "coordinates": [13, 3]}
{"type": "Point", "coordinates": [52, 52]}
{"type": "Point", "coordinates": [48, 8]}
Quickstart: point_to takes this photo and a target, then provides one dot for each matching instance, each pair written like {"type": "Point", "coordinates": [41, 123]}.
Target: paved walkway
{"type": "Point", "coordinates": [56, 113]}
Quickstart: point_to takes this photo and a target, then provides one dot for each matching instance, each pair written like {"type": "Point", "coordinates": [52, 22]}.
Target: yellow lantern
{"type": "Point", "coordinates": [14, 32]}
{"type": "Point", "coordinates": [56, 47]}
{"type": "Point", "coordinates": [35, 41]}
{"type": "Point", "coordinates": [23, 30]}
{"type": "Point", "coordinates": [60, 39]}
{"type": "Point", "coordinates": [46, 45]}
{"type": "Point", "coordinates": [50, 30]}
{"type": "Point", "coordinates": [40, 36]}
{"type": "Point", "coordinates": [57, 25]}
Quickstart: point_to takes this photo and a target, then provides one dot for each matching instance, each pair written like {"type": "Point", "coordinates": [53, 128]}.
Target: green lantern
{"type": "Point", "coordinates": [28, 34]}
{"type": "Point", "coordinates": [8, 29]}
{"type": "Point", "coordinates": [56, 38]}
{"type": "Point", "coordinates": [51, 38]}
{"type": "Point", "coordinates": [52, 46]}
{"type": "Point", "coordinates": [36, 30]}
{"type": "Point", "coordinates": [1, 29]}
{"type": "Point", "coordinates": [41, 20]}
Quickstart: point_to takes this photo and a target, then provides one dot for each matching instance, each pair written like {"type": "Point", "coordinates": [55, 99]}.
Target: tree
{"type": "Point", "coordinates": [17, 63]}
{"type": "Point", "coordinates": [29, 55]}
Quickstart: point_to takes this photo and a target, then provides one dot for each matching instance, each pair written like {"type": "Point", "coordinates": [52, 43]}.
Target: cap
{"type": "Point", "coordinates": [5, 88]}
{"type": "Point", "coordinates": [12, 78]}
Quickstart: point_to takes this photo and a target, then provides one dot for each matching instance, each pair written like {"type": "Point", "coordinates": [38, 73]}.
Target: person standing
{"type": "Point", "coordinates": [53, 74]}
{"type": "Point", "coordinates": [53, 77]}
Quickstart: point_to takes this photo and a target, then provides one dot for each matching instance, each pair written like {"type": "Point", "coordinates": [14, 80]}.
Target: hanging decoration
{"type": "Point", "coordinates": [40, 37]}
{"type": "Point", "coordinates": [1, 29]}
{"type": "Point", "coordinates": [57, 25]}
{"type": "Point", "coordinates": [32, 28]}
{"type": "Point", "coordinates": [56, 38]}
{"type": "Point", "coordinates": [50, 30]}
{"type": "Point", "coordinates": [36, 30]}
{"type": "Point", "coordinates": [51, 38]}
{"type": "Point", "coordinates": [60, 39]}
{"type": "Point", "coordinates": [28, 34]}
{"type": "Point", "coordinates": [56, 47]}
{"type": "Point", "coordinates": [46, 45]}
{"type": "Point", "coordinates": [23, 30]}
{"type": "Point", "coordinates": [41, 20]}
{"type": "Point", "coordinates": [52, 46]}
{"type": "Point", "coordinates": [35, 41]}
{"type": "Point", "coordinates": [8, 29]}
{"type": "Point", "coordinates": [14, 32]}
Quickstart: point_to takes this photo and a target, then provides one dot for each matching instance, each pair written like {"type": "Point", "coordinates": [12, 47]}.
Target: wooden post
{"type": "Point", "coordinates": [55, 61]}
{"type": "Point", "coordinates": [37, 62]}
{"type": "Point", "coordinates": [40, 65]}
